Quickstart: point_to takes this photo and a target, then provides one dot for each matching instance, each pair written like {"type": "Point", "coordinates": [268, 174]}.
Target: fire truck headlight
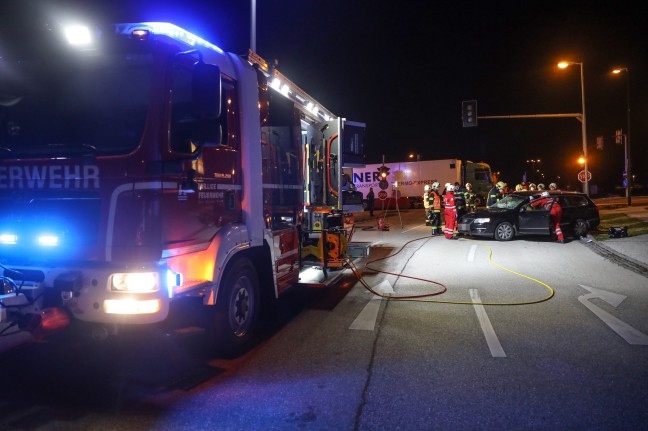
{"type": "Point", "coordinates": [136, 282]}
{"type": "Point", "coordinates": [78, 35]}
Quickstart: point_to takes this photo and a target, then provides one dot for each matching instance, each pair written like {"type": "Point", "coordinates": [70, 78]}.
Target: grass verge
{"type": "Point", "coordinates": [635, 226]}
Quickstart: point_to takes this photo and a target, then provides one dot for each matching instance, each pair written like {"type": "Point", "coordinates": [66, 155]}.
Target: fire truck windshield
{"type": "Point", "coordinates": [83, 103]}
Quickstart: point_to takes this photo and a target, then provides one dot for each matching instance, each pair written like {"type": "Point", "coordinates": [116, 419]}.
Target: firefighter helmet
{"type": "Point", "coordinates": [450, 187]}
{"type": "Point", "coordinates": [468, 186]}
{"type": "Point", "coordinates": [426, 188]}
{"type": "Point", "coordinates": [518, 187]}
{"type": "Point", "coordinates": [447, 185]}
{"type": "Point", "coordinates": [541, 186]}
{"type": "Point", "coordinates": [553, 186]}
{"type": "Point", "coordinates": [500, 185]}
{"type": "Point", "coordinates": [435, 185]}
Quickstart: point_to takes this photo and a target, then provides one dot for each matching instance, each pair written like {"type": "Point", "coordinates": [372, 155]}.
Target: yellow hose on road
{"type": "Point", "coordinates": [490, 260]}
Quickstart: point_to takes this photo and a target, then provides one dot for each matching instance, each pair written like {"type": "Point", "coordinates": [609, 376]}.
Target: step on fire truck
{"type": "Point", "coordinates": [144, 172]}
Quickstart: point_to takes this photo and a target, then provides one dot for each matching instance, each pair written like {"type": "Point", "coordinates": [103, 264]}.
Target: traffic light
{"type": "Point", "coordinates": [383, 171]}
{"type": "Point", "coordinates": [469, 113]}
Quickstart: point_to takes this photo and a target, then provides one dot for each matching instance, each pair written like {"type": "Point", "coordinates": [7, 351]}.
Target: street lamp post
{"type": "Point", "coordinates": [563, 65]}
{"type": "Point", "coordinates": [628, 160]}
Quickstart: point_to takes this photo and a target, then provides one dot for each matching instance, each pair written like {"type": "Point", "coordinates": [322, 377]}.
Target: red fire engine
{"type": "Point", "coordinates": [144, 173]}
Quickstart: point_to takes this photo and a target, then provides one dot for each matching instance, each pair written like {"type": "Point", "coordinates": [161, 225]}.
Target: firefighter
{"type": "Point", "coordinates": [555, 212]}
{"type": "Point", "coordinates": [370, 201]}
{"type": "Point", "coordinates": [519, 188]}
{"type": "Point", "coordinates": [495, 194]}
{"type": "Point", "coordinates": [460, 199]}
{"type": "Point", "coordinates": [470, 198]}
{"type": "Point", "coordinates": [435, 207]}
{"type": "Point", "coordinates": [426, 205]}
{"type": "Point", "coordinates": [450, 212]}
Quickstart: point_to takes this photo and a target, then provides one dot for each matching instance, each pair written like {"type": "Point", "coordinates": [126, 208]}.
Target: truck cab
{"type": "Point", "coordinates": [142, 166]}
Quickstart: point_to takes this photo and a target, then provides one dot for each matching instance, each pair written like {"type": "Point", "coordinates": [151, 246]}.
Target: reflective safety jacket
{"type": "Point", "coordinates": [493, 196]}
{"type": "Point", "coordinates": [460, 198]}
{"type": "Point", "coordinates": [436, 202]}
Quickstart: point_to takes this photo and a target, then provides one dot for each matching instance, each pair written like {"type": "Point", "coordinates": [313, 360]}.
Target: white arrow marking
{"type": "Point", "coordinates": [385, 288]}
{"type": "Point", "coordinates": [627, 332]}
{"type": "Point", "coordinates": [366, 320]}
{"type": "Point", "coordinates": [489, 333]}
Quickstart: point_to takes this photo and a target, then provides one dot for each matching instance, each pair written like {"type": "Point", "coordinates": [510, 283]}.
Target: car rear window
{"type": "Point", "coordinates": [575, 201]}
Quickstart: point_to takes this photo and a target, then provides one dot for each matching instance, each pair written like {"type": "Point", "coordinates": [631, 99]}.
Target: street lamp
{"type": "Point", "coordinates": [628, 160]}
{"type": "Point", "coordinates": [563, 65]}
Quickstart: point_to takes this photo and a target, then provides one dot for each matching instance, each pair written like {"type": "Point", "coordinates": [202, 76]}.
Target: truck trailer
{"type": "Point", "coordinates": [405, 181]}
{"type": "Point", "coordinates": [147, 176]}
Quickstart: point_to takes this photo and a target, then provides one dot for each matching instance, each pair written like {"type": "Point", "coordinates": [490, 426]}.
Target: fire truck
{"type": "Point", "coordinates": [147, 176]}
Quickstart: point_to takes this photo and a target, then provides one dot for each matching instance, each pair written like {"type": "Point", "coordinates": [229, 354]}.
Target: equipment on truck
{"type": "Point", "coordinates": [143, 168]}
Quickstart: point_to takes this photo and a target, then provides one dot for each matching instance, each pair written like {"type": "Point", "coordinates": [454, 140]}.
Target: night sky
{"type": "Point", "coordinates": [403, 68]}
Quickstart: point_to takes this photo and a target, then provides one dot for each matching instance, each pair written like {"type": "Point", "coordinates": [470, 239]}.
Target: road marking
{"type": "Point", "coordinates": [366, 320]}
{"type": "Point", "coordinates": [471, 253]}
{"type": "Point", "coordinates": [627, 332]}
{"type": "Point", "coordinates": [415, 227]}
{"type": "Point", "coordinates": [489, 333]}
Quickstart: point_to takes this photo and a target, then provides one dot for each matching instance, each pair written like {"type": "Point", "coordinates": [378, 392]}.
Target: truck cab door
{"type": "Point", "coordinates": [533, 220]}
{"type": "Point", "coordinates": [351, 155]}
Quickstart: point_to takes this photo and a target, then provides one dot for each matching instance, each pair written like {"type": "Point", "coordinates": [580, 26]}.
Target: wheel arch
{"type": "Point", "coordinates": [260, 258]}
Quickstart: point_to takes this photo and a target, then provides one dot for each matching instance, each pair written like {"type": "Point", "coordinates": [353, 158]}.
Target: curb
{"type": "Point", "coordinates": [615, 257]}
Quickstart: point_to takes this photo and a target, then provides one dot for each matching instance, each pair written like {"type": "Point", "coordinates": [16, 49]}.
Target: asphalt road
{"type": "Point", "coordinates": [346, 359]}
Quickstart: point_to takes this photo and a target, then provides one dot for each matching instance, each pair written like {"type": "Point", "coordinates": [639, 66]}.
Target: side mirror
{"type": "Point", "coordinates": [206, 91]}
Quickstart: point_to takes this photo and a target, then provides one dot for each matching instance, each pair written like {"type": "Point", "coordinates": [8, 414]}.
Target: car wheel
{"type": "Point", "coordinates": [580, 228]}
{"type": "Point", "coordinates": [504, 231]}
{"type": "Point", "coordinates": [237, 309]}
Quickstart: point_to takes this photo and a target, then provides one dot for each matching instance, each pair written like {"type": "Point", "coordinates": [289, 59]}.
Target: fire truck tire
{"type": "Point", "coordinates": [237, 309]}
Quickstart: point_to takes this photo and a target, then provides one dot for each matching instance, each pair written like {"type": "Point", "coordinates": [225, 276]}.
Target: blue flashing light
{"type": "Point", "coordinates": [8, 238]}
{"type": "Point", "coordinates": [48, 240]}
{"type": "Point", "coordinates": [166, 29]}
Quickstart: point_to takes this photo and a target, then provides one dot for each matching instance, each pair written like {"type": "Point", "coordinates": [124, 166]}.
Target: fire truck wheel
{"type": "Point", "coordinates": [237, 309]}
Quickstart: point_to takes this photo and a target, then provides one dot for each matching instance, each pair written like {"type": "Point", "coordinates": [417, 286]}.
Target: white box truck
{"type": "Point", "coordinates": [405, 180]}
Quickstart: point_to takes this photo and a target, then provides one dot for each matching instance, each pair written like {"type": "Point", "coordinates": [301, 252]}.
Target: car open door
{"type": "Point", "coordinates": [533, 220]}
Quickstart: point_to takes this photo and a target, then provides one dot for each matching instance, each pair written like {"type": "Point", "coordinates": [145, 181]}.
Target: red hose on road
{"type": "Point", "coordinates": [425, 295]}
